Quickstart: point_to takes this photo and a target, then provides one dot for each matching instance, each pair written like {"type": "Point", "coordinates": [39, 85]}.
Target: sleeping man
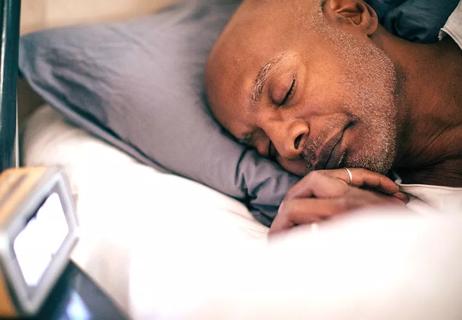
{"type": "Point", "coordinates": [323, 89]}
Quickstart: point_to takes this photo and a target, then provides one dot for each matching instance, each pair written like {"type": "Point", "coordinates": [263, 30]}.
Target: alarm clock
{"type": "Point", "coordinates": [38, 229]}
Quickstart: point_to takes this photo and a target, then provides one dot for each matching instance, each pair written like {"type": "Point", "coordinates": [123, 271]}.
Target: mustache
{"type": "Point", "coordinates": [310, 149]}
{"type": "Point", "coordinates": [313, 144]}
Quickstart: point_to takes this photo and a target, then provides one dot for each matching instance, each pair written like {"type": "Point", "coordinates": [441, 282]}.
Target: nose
{"type": "Point", "coordinates": [288, 137]}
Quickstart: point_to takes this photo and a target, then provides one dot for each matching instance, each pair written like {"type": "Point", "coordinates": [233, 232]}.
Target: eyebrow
{"type": "Point", "coordinates": [260, 80]}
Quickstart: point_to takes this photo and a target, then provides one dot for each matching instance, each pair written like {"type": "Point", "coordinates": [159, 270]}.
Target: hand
{"type": "Point", "coordinates": [325, 193]}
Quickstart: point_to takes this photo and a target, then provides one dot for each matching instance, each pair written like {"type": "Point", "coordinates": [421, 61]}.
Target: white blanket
{"type": "Point", "coordinates": [163, 246]}
{"type": "Point", "coordinates": [114, 194]}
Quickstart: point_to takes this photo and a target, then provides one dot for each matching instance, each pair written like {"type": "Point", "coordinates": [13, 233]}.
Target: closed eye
{"type": "Point", "coordinates": [290, 92]}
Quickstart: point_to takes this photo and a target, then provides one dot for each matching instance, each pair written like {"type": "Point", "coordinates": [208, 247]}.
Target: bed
{"type": "Point", "coordinates": [167, 247]}
{"type": "Point", "coordinates": [163, 246]}
{"type": "Point", "coordinates": [136, 194]}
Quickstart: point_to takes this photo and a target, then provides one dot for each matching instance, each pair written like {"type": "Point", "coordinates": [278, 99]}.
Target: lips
{"type": "Point", "coordinates": [331, 154]}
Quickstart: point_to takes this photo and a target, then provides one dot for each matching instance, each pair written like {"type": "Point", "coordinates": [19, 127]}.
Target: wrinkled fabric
{"type": "Point", "coordinates": [453, 26]}
{"type": "Point", "coordinates": [139, 86]}
{"type": "Point", "coordinates": [414, 20]}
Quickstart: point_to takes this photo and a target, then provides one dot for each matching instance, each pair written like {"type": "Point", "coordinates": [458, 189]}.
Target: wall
{"type": "Point", "coordinates": [43, 14]}
{"type": "Point", "coordinates": [40, 14]}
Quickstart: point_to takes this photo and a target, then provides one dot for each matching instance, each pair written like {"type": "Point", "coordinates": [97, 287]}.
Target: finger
{"type": "Point", "coordinates": [316, 184]}
{"type": "Point", "coordinates": [365, 178]}
{"type": "Point", "coordinates": [305, 211]}
{"type": "Point", "coordinates": [401, 196]}
{"type": "Point", "coordinates": [357, 198]}
{"type": "Point", "coordinates": [302, 211]}
{"type": "Point", "coordinates": [312, 210]}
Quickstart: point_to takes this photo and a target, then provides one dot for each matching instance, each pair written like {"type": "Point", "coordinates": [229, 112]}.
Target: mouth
{"type": "Point", "coordinates": [331, 153]}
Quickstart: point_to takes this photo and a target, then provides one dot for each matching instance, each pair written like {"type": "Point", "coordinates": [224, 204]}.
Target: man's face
{"type": "Point", "coordinates": [302, 92]}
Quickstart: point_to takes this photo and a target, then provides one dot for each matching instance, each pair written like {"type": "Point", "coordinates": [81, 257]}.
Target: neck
{"type": "Point", "coordinates": [429, 99]}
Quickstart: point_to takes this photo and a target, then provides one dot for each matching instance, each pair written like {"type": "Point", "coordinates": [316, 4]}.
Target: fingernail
{"type": "Point", "coordinates": [402, 196]}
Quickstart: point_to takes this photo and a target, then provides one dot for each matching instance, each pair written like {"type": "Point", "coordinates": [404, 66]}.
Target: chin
{"type": "Point", "coordinates": [377, 161]}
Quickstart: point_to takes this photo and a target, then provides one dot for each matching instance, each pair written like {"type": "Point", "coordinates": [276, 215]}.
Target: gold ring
{"type": "Point", "coordinates": [350, 176]}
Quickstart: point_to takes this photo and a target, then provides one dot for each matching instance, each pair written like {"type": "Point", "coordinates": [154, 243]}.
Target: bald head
{"type": "Point", "coordinates": [298, 81]}
{"type": "Point", "coordinates": [258, 27]}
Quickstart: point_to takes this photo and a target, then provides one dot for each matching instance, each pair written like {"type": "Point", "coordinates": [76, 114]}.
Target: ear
{"type": "Point", "coordinates": [355, 13]}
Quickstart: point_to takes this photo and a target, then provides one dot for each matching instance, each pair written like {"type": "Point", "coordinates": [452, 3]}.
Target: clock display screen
{"type": "Point", "coordinates": [36, 245]}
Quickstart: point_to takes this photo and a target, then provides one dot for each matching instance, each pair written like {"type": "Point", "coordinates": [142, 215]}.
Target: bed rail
{"type": "Point", "coordinates": [10, 16]}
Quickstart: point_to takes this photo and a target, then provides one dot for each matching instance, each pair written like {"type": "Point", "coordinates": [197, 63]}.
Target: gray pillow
{"type": "Point", "coordinates": [139, 86]}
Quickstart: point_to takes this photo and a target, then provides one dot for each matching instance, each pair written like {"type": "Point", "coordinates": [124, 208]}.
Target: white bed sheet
{"type": "Point", "coordinates": [114, 193]}
{"type": "Point", "coordinates": [166, 247]}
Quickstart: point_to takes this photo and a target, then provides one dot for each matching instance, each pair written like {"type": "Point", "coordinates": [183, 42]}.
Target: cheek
{"type": "Point", "coordinates": [325, 91]}
{"type": "Point", "coordinates": [326, 63]}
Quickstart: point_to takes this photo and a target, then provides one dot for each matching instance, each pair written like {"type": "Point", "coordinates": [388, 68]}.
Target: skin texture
{"type": "Point", "coordinates": [330, 96]}
{"type": "Point", "coordinates": [324, 193]}
{"type": "Point", "coordinates": [323, 86]}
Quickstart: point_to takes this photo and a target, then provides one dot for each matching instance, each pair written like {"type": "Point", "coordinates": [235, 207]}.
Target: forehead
{"type": "Point", "coordinates": [243, 51]}
{"type": "Point", "coordinates": [257, 35]}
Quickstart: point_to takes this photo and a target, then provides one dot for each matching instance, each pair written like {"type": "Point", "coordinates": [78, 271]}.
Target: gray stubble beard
{"type": "Point", "coordinates": [373, 90]}
{"type": "Point", "coordinates": [371, 81]}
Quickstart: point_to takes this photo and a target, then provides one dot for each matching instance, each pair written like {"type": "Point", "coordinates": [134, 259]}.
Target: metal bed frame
{"type": "Point", "coordinates": [10, 17]}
